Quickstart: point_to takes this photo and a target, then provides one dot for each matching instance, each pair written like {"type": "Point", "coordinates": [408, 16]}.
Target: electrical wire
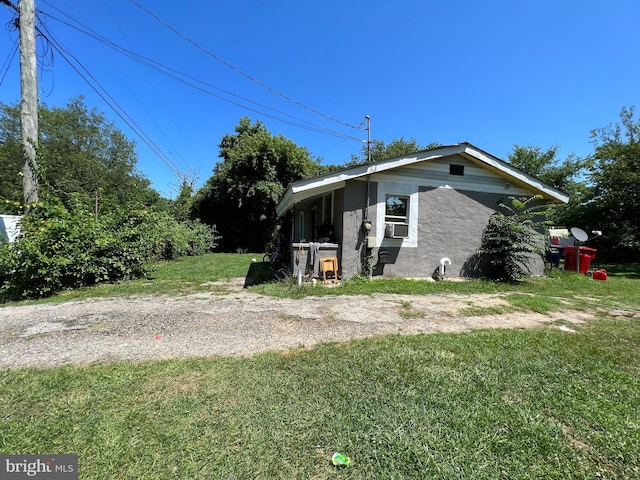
{"type": "Point", "coordinates": [181, 77]}
{"type": "Point", "coordinates": [237, 70]}
{"type": "Point", "coordinates": [7, 63]}
{"type": "Point", "coordinates": [176, 126]}
{"type": "Point", "coordinates": [10, 26]}
{"type": "Point", "coordinates": [45, 60]}
{"type": "Point", "coordinates": [9, 4]}
{"type": "Point", "coordinates": [107, 98]}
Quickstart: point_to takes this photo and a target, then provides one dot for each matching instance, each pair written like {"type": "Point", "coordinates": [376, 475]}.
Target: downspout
{"type": "Point", "coordinates": [366, 212]}
{"type": "Point", "coordinates": [292, 235]}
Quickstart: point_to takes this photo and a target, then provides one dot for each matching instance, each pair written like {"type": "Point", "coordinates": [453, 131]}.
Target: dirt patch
{"type": "Point", "coordinates": [234, 322]}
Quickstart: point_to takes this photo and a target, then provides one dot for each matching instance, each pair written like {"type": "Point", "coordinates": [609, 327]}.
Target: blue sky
{"type": "Point", "coordinates": [493, 73]}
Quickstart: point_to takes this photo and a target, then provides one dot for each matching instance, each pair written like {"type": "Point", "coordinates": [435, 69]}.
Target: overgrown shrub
{"type": "Point", "coordinates": [512, 240]}
{"type": "Point", "coordinates": [62, 248]}
{"type": "Point", "coordinates": [187, 238]}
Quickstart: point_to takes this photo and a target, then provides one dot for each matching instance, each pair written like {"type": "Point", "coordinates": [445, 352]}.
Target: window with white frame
{"type": "Point", "coordinates": [397, 214]}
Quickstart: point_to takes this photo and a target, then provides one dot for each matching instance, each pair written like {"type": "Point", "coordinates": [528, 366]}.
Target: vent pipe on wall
{"type": "Point", "coordinates": [442, 265]}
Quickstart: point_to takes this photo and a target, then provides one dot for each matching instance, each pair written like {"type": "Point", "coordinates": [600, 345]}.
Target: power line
{"type": "Point", "coordinates": [121, 112]}
{"type": "Point", "coordinates": [9, 4]}
{"type": "Point", "coordinates": [126, 118]}
{"type": "Point", "coordinates": [176, 126]}
{"type": "Point", "coordinates": [177, 75]}
{"type": "Point", "coordinates": [101, 91]}
{"type": "Point", "coordinates": [7, 64]}
{"type": "Point", "coordinates": [237, 70]}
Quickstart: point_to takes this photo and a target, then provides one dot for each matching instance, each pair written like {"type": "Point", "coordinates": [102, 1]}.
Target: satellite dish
{"type": "Point", "coordinates": [579, 234]}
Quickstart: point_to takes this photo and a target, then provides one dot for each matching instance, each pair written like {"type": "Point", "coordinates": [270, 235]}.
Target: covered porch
{"type": "Point", "coordinates": [312, 226]}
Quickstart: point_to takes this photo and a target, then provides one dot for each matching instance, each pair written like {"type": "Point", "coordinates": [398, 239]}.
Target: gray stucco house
{"type": "Point", "coordinates": [408, 212]}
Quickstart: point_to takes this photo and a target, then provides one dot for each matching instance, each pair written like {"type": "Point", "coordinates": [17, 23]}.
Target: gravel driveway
{"type": "Point", "coordinates": [233, 322]}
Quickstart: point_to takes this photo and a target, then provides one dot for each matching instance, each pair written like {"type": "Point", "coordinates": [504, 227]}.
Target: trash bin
{"type": "Point", "coordinates": [586, 255]}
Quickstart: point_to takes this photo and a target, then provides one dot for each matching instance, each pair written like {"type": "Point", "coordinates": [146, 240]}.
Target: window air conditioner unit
{"type": "Point", "coordinates": [396, 230]}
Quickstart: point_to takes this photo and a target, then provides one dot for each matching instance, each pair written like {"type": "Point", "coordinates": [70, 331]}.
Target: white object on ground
{"type": "Point", "coordinates": [564, 328]}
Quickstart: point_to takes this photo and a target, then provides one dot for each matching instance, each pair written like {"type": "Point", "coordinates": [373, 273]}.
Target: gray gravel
{"type": "Point", "coordinates": [231, 323]}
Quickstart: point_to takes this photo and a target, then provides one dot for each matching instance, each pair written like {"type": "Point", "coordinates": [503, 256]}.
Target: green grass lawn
{"type": "Point", "coordinates": [197, 274]}
{"type": "Point", "coordinates": [559, 290]}
{"type": "Point", "coordinates": [178, 277]}
{"type": "Point", "coordinates": [491, 404]}
{"type": "Point", "coordinates": [488, 404]}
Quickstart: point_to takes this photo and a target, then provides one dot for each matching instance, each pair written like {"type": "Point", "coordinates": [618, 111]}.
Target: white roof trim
{"type": "Point", "coordinates": [516, 173]}
{"type": "Point", "coordinates": [304, 189]}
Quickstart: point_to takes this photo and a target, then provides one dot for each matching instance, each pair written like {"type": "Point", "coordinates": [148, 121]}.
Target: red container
{"type": "Point", "coordinates": [586, 255]}
{"type": "Point", "coordinates": [600, 275]}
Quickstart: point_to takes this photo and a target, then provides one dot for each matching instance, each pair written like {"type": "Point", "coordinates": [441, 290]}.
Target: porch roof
{"type": "Point", "coordinates": [303, 189]}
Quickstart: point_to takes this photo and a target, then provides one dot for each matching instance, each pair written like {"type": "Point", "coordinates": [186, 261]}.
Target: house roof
{"type": "Point", "coordinates": [311, 187]}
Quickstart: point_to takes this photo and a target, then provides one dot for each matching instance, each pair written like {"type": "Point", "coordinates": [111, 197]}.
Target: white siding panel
{"type": "Point", "coordinates": [435, 173]}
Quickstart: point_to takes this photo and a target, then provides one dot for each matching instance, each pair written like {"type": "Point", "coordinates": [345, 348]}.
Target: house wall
{"type": "Point", "coordinates": [9, 228]}
{"type": "Point", "coordinates": [450, 226]}
{"type": "Point", "coordinates": [435, 173]}
{"type": "Point", "coordinates": [451, 213]}
{"type": "Point", "coordinates": [354, 203]}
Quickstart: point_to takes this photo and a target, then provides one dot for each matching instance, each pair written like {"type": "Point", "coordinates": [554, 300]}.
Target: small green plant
{"type": "Point", "coordinates": [477, 311]}
{"type": "Point", "coordinates": [411, 313]}
{"type": "Point", "coordinates": [512, 239]}
{"type": "Point", "coordinates": [408, 312]}
{"type": "Point", "coordinates": [369, 262]}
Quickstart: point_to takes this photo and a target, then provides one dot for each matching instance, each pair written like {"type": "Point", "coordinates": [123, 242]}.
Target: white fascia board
{"type": "Point", "coordinates": [282, 205]}
{"type": "Point", "coordinates": [517, 174]}
{"type": "Point", "coordinates": [294, 195]}
{"type": "Point", "coordinates": [304, 189]}
{"type": "Point", "coordinates": [318, 190]}
{"type": "Point", "coordinates": [335, 180]}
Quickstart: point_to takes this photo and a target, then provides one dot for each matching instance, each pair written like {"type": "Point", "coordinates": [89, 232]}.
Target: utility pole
{"type": "Point", "coordinates": [368, 256]}
{"type": "Point", "coordinates": [368, 118]}
{"type": "Point", "coordinates": [29, 101]}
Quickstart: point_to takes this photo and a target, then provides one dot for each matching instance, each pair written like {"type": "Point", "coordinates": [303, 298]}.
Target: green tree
{"type": "Point", "coordinates": [80, 152]}
{"type": "Point", "coordinates": [180, 208]}
{"type": "Point", "coordinates": [563, 175]}
{"type": "Point", "coordinates": [396, 148]}
{"type": "Point", "coordinates": [566, 175]}
{"type": "Point", "coordinates": [241, 196]}
{"type": "Point", "coordinates": [614, 203]}
{"type": "Point", "coordinates": [10, 161]}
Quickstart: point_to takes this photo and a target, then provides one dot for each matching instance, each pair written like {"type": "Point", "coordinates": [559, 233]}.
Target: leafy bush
{"type": "Point", "coordinates": [187, 238]}
{"type": "Point", "coordinates": [64, 248]}
{"type": "Point", "coordinates": [512, 240]}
